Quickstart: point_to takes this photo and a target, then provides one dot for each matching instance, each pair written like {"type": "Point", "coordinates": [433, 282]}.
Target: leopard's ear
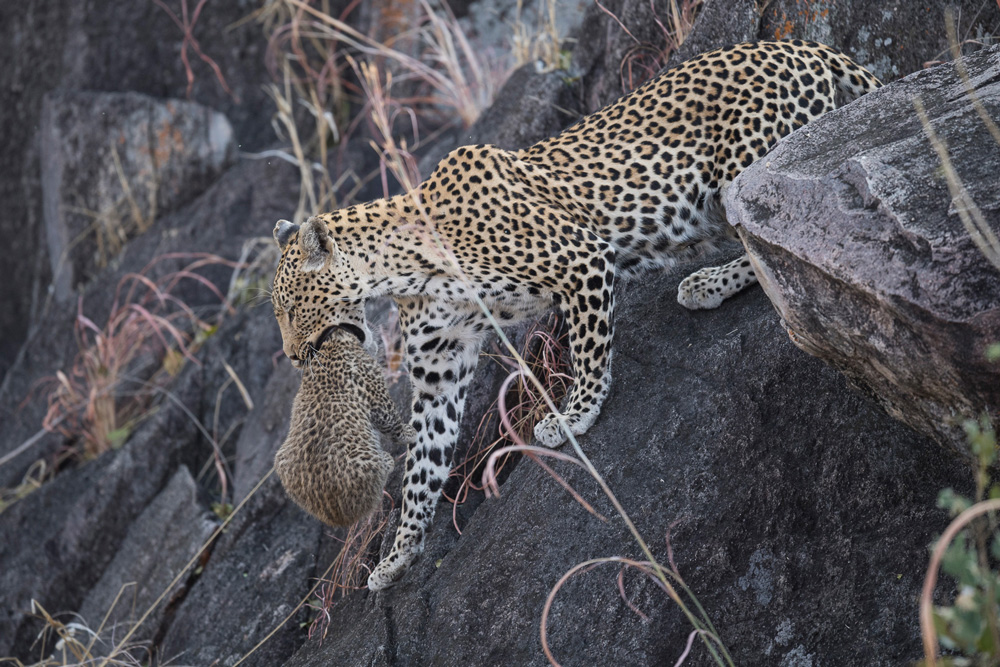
{"type": "Point", "coordinates": [318, 247]}
{"type": "Point", "coordinates": [283, 231]}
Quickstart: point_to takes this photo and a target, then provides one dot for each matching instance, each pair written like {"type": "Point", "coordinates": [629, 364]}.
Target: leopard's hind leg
{"type": "Point", "coordinates": [442, 348]}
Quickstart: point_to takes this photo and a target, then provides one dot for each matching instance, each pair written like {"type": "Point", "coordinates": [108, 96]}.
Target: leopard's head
{"type": "Point", "coordinates": [314, 290]}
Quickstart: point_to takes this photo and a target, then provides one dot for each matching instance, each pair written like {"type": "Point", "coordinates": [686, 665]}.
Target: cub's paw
{"type": "Point", "coordinates": [701, 290]}
{"type": "Point", "coordinates": [550, 433]}
{"type": "Point", "coordinates": [408, 435]}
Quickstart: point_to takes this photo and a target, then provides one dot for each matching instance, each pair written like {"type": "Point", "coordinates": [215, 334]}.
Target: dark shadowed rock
{"type": "Point", "coordinates": [859, 245]}
{"type": "Point", "coordinates": [622, 60]}
{"type": "Point", "coordinates": [242, 205]}
{"type": "Point", "coordinates": [56, 543]}
{"type": "Point", "coordinates": [111, 163]}
{"type": "Point", "coordinates": [719, 23]}
{"type": "Point", "coordinates": [530, 107]}
{"type": "Point", "coordinates": [112, 46]}
{"type": "Point", "coordinates": [261, 569]}
{"type": "Point", "coordinates": [159, 544]}
{"type": "Point", "coordinates": [265, 429]}
{"type": "Point", "coordinates": [803, 510]}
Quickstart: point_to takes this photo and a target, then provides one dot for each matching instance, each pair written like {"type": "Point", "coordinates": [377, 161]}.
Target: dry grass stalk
{"type": "Point", "coordinates": [971, 216]}
{"type": "Point", "coordinates": [86, 403]}
{"type": "Point", "coordinates": [540, 44]}
{"type": "Point", "coordinates": [186, 23]}
{"type": "Point", "coordinates": [450, 67]}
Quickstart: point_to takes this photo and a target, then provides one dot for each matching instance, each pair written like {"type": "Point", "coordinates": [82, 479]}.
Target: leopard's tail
{"type": "Point", "coordinates": [851, 78]}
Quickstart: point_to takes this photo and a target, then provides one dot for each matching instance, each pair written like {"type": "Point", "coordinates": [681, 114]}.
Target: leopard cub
{"type": "Point", "coordinates": [331, 464]}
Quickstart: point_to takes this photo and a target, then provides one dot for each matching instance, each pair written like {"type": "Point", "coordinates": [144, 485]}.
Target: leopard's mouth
{"type": "Point", "coordinates": [355, 331]}
{"type": "Point", "coordinates": [323, 337]}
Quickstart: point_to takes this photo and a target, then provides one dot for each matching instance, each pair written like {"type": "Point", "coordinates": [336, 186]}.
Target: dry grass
{"type": "Point", "coordinates": [312, 54]}
{"type": "Point", "coordinates": [350, 569]}
{"type": "Point", "coordinates": [540, 44]}
{"type": "Point", "coordinates": [512, 417]}
{"type": "Point", "coordinates": [37, 474]}
{"type": "Point", "coordinates": [644, 60]}
{"type": "Point", "coordinates": [148, 326]}
{"type": "Point", "coordinates": [74, 644]}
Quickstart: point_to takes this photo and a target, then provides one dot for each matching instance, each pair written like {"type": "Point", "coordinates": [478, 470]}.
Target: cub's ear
{"type": "Point", "coordinates": [283, 231]}
{"type": "Point", "coordinates": [317, 245]}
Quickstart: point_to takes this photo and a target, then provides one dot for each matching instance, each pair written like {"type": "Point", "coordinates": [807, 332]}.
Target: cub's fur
{"type": "Point", "coordinates": [331, 464]}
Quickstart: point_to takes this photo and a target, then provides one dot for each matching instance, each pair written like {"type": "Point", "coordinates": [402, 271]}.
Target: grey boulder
{"type": "Point", "coordinates": [111, 163]}
{"type": "Point", "coordinates": [856, 240]}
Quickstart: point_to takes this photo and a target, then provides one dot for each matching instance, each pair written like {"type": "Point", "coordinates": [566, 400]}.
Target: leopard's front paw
{"type": "Point", "coordinates": [550, 433]}
{"type": "Point", "coordinates": [700, 290]}
{"type": "Point", "coordinates": [392, 568]}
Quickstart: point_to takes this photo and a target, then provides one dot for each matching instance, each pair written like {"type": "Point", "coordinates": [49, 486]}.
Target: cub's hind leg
{"type": "Point", "coordinates": [709, 287]}
{"type": "Point", "coordinates": [442, 348]}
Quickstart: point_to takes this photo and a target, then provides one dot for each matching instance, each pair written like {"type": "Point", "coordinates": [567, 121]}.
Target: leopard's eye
{"type": "Point", "coordinates": [291, 313]}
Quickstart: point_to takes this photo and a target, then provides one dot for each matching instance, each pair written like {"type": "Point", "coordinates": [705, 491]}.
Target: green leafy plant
{"type": "Point", "coordinates": [969, 552]}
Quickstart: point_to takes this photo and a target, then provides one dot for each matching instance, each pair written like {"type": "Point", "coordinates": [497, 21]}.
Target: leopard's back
{"type": "Point", "coordinates": [646, 172]}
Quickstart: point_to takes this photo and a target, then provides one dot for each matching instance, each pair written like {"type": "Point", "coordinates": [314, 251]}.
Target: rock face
{"type": "Point", "coordinates": [891, 39]}
{"type": "Point", "coordinates": [112, 46]}
{"type": "Point", "coordinates": [57, 541]}
{"type": "Point", "coordinates": [159, 544]}
{"type": "Point", "coordinates": [804, 510]}
{"type": "Point", "coordinates": [111, 163]}
{"type": "Point", "coordinates": [859, 245]}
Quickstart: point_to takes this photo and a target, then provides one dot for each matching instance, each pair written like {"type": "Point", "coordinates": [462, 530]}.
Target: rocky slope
{"type": "Point", "coordinates": [798, 511]}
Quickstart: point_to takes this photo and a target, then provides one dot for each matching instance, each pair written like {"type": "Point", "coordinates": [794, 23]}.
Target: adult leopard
{"type": "Point", "coordinates": [633, 187]}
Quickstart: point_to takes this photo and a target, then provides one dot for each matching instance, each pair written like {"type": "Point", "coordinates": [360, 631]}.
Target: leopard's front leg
{"type": "Point", "coordinates": [442, 347]}
{"type": "Point", "coordinates": [588, 303]}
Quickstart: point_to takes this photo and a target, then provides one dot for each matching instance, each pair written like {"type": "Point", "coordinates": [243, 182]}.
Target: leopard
{"type": "Point", "coordinates": [331, 463]}
{"type": "Point", "coordinates": [495, 237]}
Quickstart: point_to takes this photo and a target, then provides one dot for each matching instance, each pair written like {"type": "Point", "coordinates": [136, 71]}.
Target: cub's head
{"type": "Point", "coordinates": [314, 291]}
